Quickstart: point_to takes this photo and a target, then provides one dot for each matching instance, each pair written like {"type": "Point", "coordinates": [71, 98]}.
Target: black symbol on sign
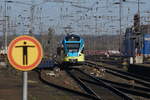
{"type": "Point", "coordinates": [25, 52]}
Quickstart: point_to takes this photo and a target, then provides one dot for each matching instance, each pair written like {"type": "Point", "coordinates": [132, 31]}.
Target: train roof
{"type": "Point", "coordinates": [72, 37]}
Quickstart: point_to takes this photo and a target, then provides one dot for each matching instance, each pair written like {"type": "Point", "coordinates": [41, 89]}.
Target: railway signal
{"type": "Point", "coordinates": [25, 53]}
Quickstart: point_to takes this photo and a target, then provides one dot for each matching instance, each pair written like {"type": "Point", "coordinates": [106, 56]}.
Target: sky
{"type": "Point", "coordinates": [96, 17]}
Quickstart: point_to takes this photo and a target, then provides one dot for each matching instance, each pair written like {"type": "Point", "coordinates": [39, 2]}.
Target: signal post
{"type": "Point", "coordinates": [24, 54]}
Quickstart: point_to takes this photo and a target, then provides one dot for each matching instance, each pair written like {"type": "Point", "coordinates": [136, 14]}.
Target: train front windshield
{"type": "Point", "coordinates": [73, 47]}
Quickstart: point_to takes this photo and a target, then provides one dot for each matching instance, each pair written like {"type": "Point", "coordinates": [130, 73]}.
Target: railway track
{"type": "Point", "coordinates": [46, 82]}
{"type": "Point", "coordinates": [147, 79]}
{"type": "Point", "coordinates": [142, 89]}
{"type": "Point", "coordinates": [102, 90]}
{"type": "Point", "coordinates": [96, 88]}
{"type": "Point", "coordinates": [129, 76]}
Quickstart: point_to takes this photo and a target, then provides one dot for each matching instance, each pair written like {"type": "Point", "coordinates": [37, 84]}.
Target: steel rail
{"type": "Point", "coordinates": [108, 86]}
{"type": "Point", "coordinates": [86, 88]}
{"type": "Point", "coordinates": [44, 81]}
{"type": "Point", "coordinates": [128, 77]}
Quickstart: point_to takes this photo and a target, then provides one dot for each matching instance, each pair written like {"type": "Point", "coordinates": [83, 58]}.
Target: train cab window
{"type": "Point", "coordinates": [73, 45]}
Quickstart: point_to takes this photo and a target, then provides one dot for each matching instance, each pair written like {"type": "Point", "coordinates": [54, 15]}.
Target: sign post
{"type": "Point", "coordinates": [25, 85]}
{"type": "Point", "coordinates": [25, 53]}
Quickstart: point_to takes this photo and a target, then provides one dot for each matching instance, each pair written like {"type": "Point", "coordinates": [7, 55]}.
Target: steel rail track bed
{"type": "Point", "coordinates": [143, 91]}
{"type": "Point", "coordinates": [122, 74]}
{"type": "Point", "coordinates": [46, 82]}
{"type": "Point", "coordinates": [126, 73]}
{"type": "Point", "coordinates": [103, 91]}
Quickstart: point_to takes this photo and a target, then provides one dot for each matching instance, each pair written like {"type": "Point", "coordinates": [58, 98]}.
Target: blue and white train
{"type": "Point", "coordinates": [73, 47]}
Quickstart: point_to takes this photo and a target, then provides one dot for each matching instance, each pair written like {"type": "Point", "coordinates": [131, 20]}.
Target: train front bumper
{"type": "Point", "coordinates": [74, 59]}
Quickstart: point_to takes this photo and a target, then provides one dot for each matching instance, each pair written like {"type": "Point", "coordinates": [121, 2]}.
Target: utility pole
{"type": "Point", "coordinates": [31, 30]}
{"type": "Point", "coordinates": [5, 25]}
{"type": "Point", "coordinates": [139, 6]}
{"type": "Point", "coordinates": [120, 5]}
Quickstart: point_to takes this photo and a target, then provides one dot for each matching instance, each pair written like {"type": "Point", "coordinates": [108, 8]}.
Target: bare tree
{"type": "Point", "coordinates": [50, 42]}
